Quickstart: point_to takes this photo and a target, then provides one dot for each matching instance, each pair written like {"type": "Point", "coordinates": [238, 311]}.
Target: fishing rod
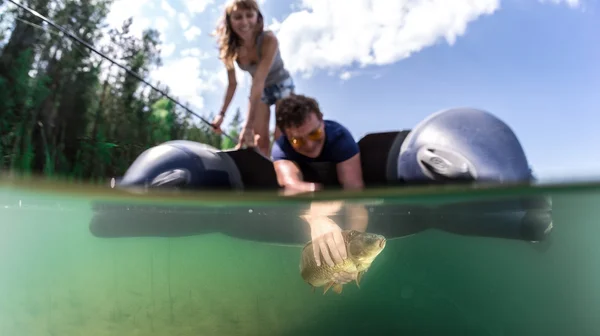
{"type": "Point", "coordinates": [87, 45]}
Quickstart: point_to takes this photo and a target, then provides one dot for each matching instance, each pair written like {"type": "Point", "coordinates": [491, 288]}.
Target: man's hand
{"type": "Point", "coordinates": [300, 187]}
{"type": "Point", "coordinates": [327, 241]}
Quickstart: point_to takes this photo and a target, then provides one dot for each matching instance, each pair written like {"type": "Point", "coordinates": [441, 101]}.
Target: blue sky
{"type": "Point", "coordinates": [535, 64]}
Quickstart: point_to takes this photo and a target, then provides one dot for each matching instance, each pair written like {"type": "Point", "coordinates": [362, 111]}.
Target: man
{"type": "Point", "coordinates": [307, 137]}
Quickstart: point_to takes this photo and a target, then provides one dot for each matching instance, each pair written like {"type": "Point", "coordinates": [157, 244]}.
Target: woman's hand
{"type": "Point", "coordinates": [216, 124]}
{"type": "Point", "coordinates": [247, 138]}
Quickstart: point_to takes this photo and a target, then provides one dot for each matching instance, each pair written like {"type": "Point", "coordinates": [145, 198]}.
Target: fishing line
{"type": "Point", "coordinates": [75, 46]}
{"type": "Point", "coordinates": [74, 37]}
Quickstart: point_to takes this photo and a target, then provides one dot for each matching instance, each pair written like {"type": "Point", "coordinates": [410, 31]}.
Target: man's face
{"type": "Point", "coordinates": [308, 139]}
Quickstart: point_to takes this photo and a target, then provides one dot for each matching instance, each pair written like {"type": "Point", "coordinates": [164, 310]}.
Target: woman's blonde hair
{"type": "Point", "coordinates": [227, 40]}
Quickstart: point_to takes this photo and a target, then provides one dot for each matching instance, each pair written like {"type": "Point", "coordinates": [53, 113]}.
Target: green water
{"type": "Point", "coordinates": [58, 279]}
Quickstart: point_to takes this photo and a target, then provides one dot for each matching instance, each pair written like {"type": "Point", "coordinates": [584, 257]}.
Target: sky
{"type": "Point", "coordinates": [380, 65]}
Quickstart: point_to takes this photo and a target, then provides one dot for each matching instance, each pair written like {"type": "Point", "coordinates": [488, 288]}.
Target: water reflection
{"type": "Point", "coordinates": [514, 216]}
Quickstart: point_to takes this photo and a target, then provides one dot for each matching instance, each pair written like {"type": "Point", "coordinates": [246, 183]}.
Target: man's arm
{"type": "Point", "coordinates": [350, 173]}
{"type": "Point", "coordinates": [348, 163]}
{"type": "Point", "coordinates": [351, 178]}
{"type": "Point", "coordinates": [288, 173]}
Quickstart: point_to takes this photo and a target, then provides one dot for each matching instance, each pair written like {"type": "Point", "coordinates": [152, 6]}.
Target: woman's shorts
{"type": "Point", "coordinates": [275, 92]}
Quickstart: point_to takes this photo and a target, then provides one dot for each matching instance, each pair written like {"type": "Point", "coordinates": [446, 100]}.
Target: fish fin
{"type": "Point", "coordinates": [358, 278]}
{"type": "Point", "coordinates": [304, 257]}
{"type": "Point", "coordinates": [327, 286]}
{"type": "Point", "coordinates": [313, 289]}
{"type": "Point", "coordinates": [338, 288]}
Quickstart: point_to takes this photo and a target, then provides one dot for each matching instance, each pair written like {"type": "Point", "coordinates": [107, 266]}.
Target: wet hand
{"type": "Point", "coordinates": [328, 242]}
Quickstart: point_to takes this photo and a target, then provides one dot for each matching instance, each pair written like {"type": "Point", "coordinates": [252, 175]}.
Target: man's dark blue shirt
{"type": "Point", "coordinates": [339, 146]}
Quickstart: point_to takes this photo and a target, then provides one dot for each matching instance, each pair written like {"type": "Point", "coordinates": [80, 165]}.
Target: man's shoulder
{"type": "Point", "coordinates": [338, 132]}
{"type": "Point", "coordinates": [281, 150]}
{"type": "Point", "coordinates": [341, 143]}
{"type": "Point", "coordinates": [335, 126]}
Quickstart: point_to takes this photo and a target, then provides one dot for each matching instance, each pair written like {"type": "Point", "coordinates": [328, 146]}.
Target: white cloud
{"type": "Point", "coordinates": [161, 25]}
{"type": "Point", "coordinates": [328, 34]}
{"type": "Point", "coordinates": [182, 77]}
{"type": "Point", "coordinates": [167, 49]}
{"type": "Point", "coordinates": [345, 75]}
{"type": "Point", "coordinates": [190, 82]}
{"type": "Point", "coordinates": [192, 33]}
{"type": "Point", "coordinates": [334, 34]}
{"type": "Point", "coordinates": [164, 5]}
{"type": "Point", "coordinates": [570, 3]}
{"type": "Point", "coordinates": [197, 6]}
{"type": "Point", "coordinates": [184, 21]}
{"type": "Point", "coordinates": [196, 52]}
{"type": "Point", "coordinates": [121, 10]}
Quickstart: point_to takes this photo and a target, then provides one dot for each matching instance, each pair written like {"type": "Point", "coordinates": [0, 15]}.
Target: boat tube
{"type": "Point", "coordinates": [460, 145]}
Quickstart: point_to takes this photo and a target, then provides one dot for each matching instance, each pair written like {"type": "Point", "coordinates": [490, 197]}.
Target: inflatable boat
{"type": "Point", "coordinates": [460, 145]}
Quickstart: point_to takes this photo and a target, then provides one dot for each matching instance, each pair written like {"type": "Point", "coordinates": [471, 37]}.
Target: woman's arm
{"type": "Point", "coordinates": [231, 86]}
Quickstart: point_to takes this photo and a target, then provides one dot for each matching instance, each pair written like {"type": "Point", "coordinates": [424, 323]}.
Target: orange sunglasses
{"type": "Point", "coordinates": [315, 135]}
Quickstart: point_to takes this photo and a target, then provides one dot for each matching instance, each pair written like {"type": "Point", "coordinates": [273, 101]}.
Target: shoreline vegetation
{"type": "Point", "coordinates": [67, 112]}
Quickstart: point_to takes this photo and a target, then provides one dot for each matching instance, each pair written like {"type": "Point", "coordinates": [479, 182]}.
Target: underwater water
{"type": "Point", "coordinates": [58, 278]}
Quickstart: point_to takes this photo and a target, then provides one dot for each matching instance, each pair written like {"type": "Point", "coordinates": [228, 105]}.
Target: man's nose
{"type": "Point", "coordinates": [310, 144]}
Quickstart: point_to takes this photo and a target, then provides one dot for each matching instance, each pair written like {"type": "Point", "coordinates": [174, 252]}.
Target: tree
{"type": "Point", "coordinates": [234, 130]}
{"type": "Point", "coordinates": [65, 111]}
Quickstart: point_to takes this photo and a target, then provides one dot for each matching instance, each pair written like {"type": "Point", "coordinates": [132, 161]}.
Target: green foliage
{"type": "Point", "coordinates": [162, 120]}
{"type": "Point", "coordinates": [65, 111]}
{"type": "Point", "coordinates": [235, 128]}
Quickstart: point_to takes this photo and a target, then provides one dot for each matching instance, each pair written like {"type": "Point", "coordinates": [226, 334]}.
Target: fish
{"type": "Point", "coordinates": [362, 249]}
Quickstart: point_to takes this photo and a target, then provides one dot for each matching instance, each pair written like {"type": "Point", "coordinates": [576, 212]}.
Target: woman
{"type": "Point", "coordinates": [242, 39]}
